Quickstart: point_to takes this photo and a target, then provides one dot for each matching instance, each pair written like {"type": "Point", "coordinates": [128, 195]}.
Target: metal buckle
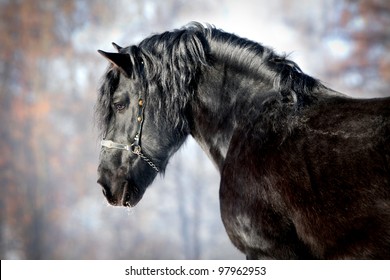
{"type": "Point", "coordinates": [136, 149]}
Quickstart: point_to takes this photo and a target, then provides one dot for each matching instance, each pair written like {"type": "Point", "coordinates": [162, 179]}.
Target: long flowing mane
{"type": "Point", "coordinates": [174, 60]}
{"type": "Point", "coordinates": [256, 59]}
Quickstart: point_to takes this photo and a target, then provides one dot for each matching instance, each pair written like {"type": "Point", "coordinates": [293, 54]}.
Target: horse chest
{"type": "Point", "coordinates": [259, 230]}
{"type": "Point", "coordinates": [244, 234]}
{"type": "Point", "coordinates": [253, 212]}
{"type": "Point", "coordinates": [249, 227]}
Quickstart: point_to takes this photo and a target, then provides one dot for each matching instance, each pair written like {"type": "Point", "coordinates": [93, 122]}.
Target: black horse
{"type": "Point", "coordinates": [305, 170]}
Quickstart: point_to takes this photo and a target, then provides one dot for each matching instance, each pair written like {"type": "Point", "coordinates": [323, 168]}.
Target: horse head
{"type": "Point", "coordinates": [137, 140]}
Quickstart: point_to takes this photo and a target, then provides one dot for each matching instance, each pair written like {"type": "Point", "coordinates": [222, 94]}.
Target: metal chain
{"type": "Point", "coordinates": [146, 159]}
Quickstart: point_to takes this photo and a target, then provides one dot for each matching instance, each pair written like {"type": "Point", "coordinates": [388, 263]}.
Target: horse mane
{"type": "Point", "coordinates": [255, 59]}
{"type": "Point", "coordinates": [174, 59]}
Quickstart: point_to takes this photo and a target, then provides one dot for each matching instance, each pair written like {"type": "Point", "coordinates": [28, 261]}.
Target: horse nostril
{"type": "Point", "coordinates": [104, 185]}
{"type": "Point", "coordinates": [100, 182]}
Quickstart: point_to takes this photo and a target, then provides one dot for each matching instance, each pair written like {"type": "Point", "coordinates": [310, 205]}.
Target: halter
{"type": "Point", "coordinates": [135, 147]}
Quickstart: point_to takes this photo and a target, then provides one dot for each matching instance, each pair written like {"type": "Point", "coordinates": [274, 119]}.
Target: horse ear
{"type": "Point", "coordinates": [119, 60]}
{"type": "Point", "coordinates": [117, 47]}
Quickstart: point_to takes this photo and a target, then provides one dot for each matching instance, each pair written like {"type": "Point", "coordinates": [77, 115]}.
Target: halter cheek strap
{"type": "Point", "coordinates": [140, 120]}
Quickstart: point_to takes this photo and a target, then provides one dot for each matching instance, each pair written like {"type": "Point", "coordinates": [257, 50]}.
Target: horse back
{"type": "Point", "coordinates": [318, 189]}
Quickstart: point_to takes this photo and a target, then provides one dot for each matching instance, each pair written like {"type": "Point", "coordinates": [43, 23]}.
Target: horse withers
{"type": "Point", "coordinates": [304, 169]}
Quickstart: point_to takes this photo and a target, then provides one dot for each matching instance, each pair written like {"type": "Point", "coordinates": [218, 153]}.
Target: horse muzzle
{"type": "Point", "coordinates": [122, 193]}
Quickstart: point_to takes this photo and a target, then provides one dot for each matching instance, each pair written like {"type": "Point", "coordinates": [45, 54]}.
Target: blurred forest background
{"type": "Point", "coordinates": [50, 204]}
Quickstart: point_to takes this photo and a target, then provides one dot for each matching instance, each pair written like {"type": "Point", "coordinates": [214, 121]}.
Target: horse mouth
{"type": "Point", "coordinates": [125, 195]}
{"type": "Point", "coordinates": [131, 195]}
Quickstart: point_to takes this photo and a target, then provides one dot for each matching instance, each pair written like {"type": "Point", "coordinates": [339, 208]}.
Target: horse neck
{"type": "Point", "coordinates": [223, 96]}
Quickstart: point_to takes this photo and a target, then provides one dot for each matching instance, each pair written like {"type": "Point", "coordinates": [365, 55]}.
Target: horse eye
{"type": "Point", "coordinates": [119, 106]}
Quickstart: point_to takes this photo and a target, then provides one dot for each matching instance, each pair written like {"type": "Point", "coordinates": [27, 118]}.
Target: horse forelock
{"type": "Point", "coordinates": [109, 84]}
{"type": "Point", "coordinates": [103, 109]}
